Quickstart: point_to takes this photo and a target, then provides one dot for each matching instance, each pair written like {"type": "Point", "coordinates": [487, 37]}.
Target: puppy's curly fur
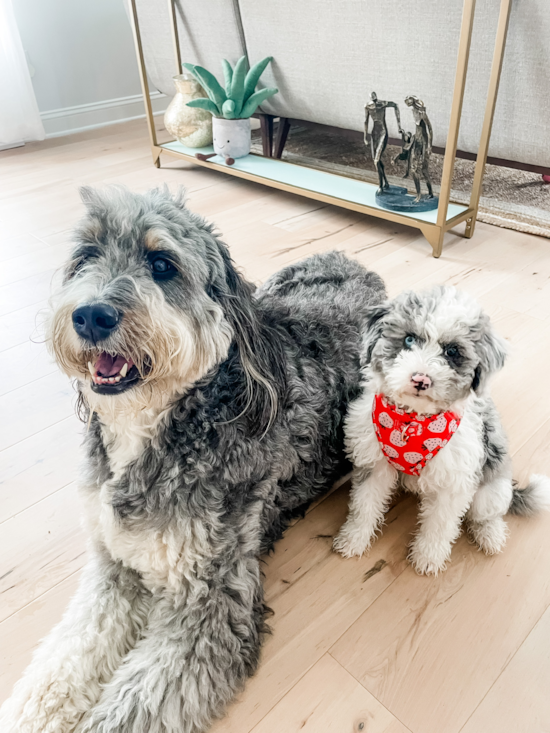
{"type": "Point", "coordinates": [231, 423]}
{"type": "Point", "coordinates": [443, 335]}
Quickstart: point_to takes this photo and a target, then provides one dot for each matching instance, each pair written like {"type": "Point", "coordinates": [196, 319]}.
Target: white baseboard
{"type": "Point", "coordinates": [69, 120]}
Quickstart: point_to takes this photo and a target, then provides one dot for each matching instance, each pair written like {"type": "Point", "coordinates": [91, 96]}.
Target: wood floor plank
{"type": "Point", "coordinates": [21, 325]}
{"type": "Point", "coordinates": [34, 407]}
{"type": "Point", "coordinates": [519, 701]}
{"type": "Point", "coordinates": [315, 595]}
{"type": "Point", "coordinates": [16, 246]}
{"type": "Point", "coordinates": [40, 547]}
{"type": "Point", "coordinates": [430, 649]}
{"type": "Point", "coordinates": [34, 468]}
{"type": "Point", "coordinates": [26, 292]}
{"type": "Point", "coordinates": [21, 633]}
{"type": "Point", "coordinates": [329, 699]}
{"type": "Point", "coordinates": [427, 653]}
{"type": "Point", "coordinates": [23, 364]}
{"type": "Point", "coordinates": [24, 266]}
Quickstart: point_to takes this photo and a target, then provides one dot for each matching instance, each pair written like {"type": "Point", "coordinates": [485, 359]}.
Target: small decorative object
{"type": "Point", "coordinates": [191, 127]}
{"type": "Point", "coordinates": [416, 150]}
{"type": "Point", "coordinates": [378, 137]}
{"type": "Point", "coordinates": [231, 107]}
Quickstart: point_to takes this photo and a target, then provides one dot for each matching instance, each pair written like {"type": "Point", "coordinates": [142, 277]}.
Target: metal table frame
{"type": "Point", "coordinates": [434, 232]}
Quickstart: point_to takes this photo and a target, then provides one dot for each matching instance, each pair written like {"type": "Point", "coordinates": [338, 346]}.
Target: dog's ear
{"type": "Point", "coordinates": [92, 198]}
{"type": "Point", "coordinates": [259, 351]}
{"type": "Point", "coordinates": [374, 324]}
{"type": "Point", "coordinates": [491, 350]}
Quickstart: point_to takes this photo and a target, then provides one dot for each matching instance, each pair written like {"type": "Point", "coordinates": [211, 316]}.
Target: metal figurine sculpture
{"type": "Point", "coordinates": [417, 149]}
{"type": "Point", "coordinates": [378, 137]}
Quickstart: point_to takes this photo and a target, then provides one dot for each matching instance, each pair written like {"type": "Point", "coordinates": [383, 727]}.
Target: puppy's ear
{"type": "Point", "coordinates": [373, 329]}
{"type": "Point", "coordinates": [491, 350]}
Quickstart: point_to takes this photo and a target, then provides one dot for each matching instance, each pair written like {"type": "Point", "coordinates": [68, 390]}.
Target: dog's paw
{"type": "Point", "coordinates": [490, 536]}
{"type": "Point", "coordinates": [428, 559]}
{"type": "Point", "coordinates": [352, 541]}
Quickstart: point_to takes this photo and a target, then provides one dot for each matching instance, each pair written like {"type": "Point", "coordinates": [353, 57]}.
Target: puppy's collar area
{"type": "Point", "coordinates": [409, 440]}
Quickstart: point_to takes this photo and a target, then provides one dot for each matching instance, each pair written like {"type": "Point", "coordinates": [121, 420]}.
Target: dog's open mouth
{"type": "Point", "coordinates": [113, 373]}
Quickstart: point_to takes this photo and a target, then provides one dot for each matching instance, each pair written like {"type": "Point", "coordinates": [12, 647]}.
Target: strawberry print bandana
{"type": "Point", "coordinates": [408, 440]}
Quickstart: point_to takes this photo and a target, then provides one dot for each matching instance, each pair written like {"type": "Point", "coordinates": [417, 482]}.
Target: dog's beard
{"type": "Point", "coordinates": [147, 361]}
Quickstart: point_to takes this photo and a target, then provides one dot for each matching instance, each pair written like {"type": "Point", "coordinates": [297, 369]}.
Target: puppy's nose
{"type": "Point", "coordinates": [421, 382]}
{"type": "Point", "coordinates": [95, 322]}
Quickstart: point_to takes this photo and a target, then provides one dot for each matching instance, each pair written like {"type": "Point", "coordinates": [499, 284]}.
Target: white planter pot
{"type": "Point", "coordinates": [231, 137]}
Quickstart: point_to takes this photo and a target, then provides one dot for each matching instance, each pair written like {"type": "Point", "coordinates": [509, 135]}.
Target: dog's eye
{"type": "Point", "coordinates": [409, 341]}
{"type": "Point", "coordinates": [452, 351]}
{"type": "Point", "coordinates": [162, 268]}
{"type": "Point", "coordinates": [81, 257]}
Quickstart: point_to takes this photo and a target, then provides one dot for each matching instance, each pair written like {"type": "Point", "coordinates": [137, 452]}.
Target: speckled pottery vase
{"type": "Point", "coordinates": [189, 125]}
{"type": "Point", "coordinates": [231, 137]}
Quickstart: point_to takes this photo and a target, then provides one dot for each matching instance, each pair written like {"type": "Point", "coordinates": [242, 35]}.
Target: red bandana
{"type": "Point", "coordinates": [409, 441]}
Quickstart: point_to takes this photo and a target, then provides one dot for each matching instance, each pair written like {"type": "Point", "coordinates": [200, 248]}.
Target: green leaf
{"type": "Point", "coordinates": [210, 85]}
{"type": "Point", "coordinates": [228, 76]}
{"type": "Point", "coordinates": [228, 109]}
{"type": "Point", "coordinates": [237, 85]}
{"type": "Point", "coordinates": [191, 69]}
{"type": "Point", "coordinates": [207, 104]}
{"type": "Point", "coordinates": [255, 100]}
{"type": "Point", "coordinates": [253, 76]}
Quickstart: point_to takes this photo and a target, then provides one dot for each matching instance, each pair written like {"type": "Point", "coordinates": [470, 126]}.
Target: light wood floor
{"type": "Point", "coordinates": [357, 645]}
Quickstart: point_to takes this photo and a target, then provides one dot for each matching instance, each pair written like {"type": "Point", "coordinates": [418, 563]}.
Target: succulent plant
{"type": "Point", "coordinates": [238, 100]}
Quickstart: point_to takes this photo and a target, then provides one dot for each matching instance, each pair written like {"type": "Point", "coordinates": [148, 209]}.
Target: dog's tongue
{"type": "Point", "coordinates": [108, 365]}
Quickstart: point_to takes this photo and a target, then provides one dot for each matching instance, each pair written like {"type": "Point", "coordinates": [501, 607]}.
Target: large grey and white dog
{"type": "Point", "coordinates": [429, 353]}
{"type": "Point", "coordinates": [214, 415]}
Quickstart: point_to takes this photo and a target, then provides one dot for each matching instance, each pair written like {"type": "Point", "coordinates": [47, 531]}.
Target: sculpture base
{"type": "Point", "coordinates": [396, 198]}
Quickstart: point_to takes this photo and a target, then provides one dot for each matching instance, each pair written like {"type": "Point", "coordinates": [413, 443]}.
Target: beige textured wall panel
{"type": "Point", "coordinates": [330, 55]}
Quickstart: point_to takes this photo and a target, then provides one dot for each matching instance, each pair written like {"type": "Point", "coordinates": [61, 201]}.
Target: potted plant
{"type": "Point", "coordinates": [231, 107]}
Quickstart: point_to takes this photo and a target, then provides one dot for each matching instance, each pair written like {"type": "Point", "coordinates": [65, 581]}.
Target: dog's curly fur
{"type": "Point", "coordinates": [444, 335]}
{"type": "Point", "coordinates": [233, 425]}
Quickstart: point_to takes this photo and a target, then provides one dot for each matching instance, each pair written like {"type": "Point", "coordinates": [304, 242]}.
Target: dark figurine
{"type": "Point", "coordinates": [417, 148]}
{"type": "Point", "coordinates": [378, 137]}
{"type": "Point", "coordinates": [416, 151]}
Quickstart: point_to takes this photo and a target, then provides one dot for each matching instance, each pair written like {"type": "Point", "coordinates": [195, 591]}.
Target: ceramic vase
{"type": "Point", "coordinates": [189, 125]}
{"type": "Point", "coordinates": [231, 137]}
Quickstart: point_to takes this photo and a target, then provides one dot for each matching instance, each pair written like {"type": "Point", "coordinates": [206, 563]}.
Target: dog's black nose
{"type": "Point", "coordinates": [95, 322]}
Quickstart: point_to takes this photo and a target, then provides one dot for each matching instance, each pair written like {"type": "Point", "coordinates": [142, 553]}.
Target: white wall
{"type": "Point", "coordinates": [85, 69]}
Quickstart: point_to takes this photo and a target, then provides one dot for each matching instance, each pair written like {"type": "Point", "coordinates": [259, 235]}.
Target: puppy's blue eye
{"type": "Point", "coordinates": [409, 341]}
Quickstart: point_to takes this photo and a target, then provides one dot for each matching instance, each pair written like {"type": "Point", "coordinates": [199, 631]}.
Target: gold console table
{"type": "Point", "coordinates": [347, 192]}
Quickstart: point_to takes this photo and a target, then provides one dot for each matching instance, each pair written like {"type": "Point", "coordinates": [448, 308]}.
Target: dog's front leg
{"type": "Point", "coordinates": [63, 681]}
{"type": "Point", "coordinates": [193, 658]}
{"type": "Point", "coordinates": [442, 508]}
{"type": "Point", "coordinates": [369, 501]}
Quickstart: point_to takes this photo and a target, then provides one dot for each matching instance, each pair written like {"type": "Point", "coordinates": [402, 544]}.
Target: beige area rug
{"type": "Point", "coordinates": [511, 198]}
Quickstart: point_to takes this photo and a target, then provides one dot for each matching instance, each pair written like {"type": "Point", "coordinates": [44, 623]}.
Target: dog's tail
{"type": "Point", "coordinates": [534, 498]}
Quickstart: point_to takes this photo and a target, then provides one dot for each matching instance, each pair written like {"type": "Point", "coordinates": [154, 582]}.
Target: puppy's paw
{"type": "Point", "coordinates": [428, 559]}
{"type": "Point", "coordinates": [353, 540]}
{"type": "Point", "coordinates": [490, 536]}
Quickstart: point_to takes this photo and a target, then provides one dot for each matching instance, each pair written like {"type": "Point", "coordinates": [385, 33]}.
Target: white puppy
{"type": "Point", "coordinates": [425, 420]}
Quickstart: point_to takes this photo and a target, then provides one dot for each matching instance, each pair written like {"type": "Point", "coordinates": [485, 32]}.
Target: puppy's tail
{"type": "Point", "coordinates": [534, 498]}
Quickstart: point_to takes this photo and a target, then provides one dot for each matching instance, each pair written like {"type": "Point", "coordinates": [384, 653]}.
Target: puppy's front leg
{"type": "Point", "coordinates": [63, 681]}
{"type": "Point", "coordinates": [193, 658]}
{"type": "Point", "coordinates": [442, 508]}
{"type": "Point", "coordinates": [370, 498]}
